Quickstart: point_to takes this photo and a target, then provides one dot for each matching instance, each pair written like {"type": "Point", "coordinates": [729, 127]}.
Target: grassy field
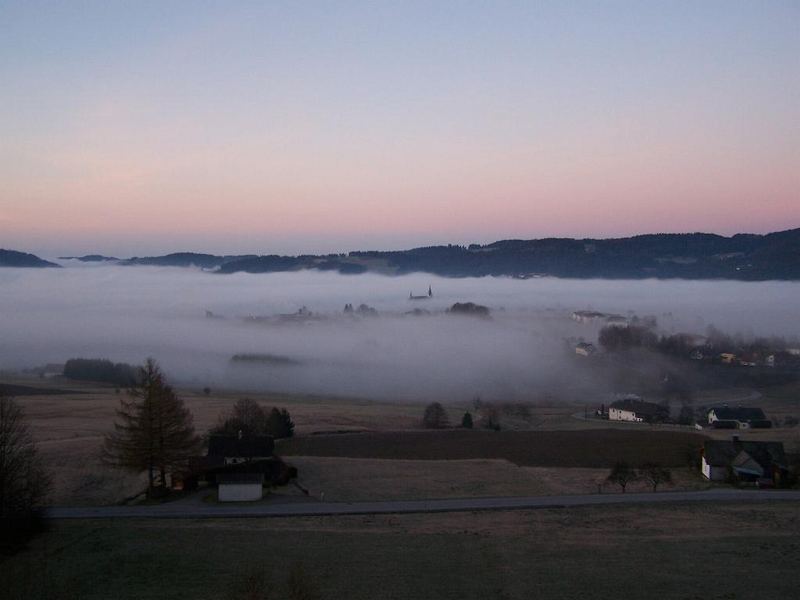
{"type": "Point", "coordinates": [669, 552]}
{"type": "Point", "coordinates": [597, 448]}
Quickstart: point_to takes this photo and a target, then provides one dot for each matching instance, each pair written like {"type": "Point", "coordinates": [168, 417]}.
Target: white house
{"type": "Point", "coordinates": [587, 316]}
{"type": "Point", "coordinates": [240, 487]}
{"type": "Point", "coordinates": [633, 408]}
{"type": "Point", "coordinates": [623, 414]}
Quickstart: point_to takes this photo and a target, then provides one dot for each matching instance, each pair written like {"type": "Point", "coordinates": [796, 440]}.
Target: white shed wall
{"type": "Point", "coordinates": [713, 473]}
{"type": "Point", "coordinates": [616, 414]}
{"type": "Point", "coordinates": [239, 492]}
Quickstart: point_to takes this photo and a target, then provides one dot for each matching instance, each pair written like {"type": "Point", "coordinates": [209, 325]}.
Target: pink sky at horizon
{"type": "Point", "coordinates": [136, 132]}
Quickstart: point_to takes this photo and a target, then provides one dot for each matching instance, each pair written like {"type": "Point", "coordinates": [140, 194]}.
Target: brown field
{"type": "Point", "coordinates": [672, 552]}
{"type": "Point", "coordinates": [360, 479]}
{"type": "Point", "coordinates": [595, 448]}
{"type": "Point", "coordinates": [69, 420]}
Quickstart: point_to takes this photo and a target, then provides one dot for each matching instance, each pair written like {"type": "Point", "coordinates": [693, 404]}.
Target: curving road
{"type": "Point", "coordinates": [310, 509]}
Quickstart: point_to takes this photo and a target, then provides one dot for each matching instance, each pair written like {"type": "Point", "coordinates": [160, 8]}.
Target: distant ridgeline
{"type": "Point", "coordinates": [688, 256]}
{"type": "Point", "coordinates": [748, 257]}
{"type": "Point", "coordinates": [12, 258]}
{"type": "Point", "coordinates": [90, 258]}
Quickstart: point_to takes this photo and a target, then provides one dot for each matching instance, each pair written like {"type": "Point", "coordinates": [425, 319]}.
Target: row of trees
{"type": "Point", "coordinates": [105, 371]}
{"type": "Point", "coordinates": [622, 474]}
{"type": "Point", "coordinates": [435, 417]}
{"type": "Point", "coordinates": [250, 418]}
{"type": "Point", "coordinates": [643, 335]}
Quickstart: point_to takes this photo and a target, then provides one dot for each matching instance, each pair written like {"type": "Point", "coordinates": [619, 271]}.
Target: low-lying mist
{"type": "Point", "coordinates": [129, 313]}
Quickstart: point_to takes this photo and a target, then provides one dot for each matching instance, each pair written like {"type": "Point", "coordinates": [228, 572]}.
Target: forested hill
{"type": "Point", "coordinates": [688, 256]}
{"type": "Point", "coordinates": [12, 258]}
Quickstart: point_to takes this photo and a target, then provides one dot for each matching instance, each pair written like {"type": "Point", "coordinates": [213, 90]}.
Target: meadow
{"type": "Point", "coordinates": [676, 552]}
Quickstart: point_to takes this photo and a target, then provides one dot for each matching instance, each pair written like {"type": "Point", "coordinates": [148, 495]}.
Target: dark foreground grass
{"type": "Point", "coordinates": [594, 448]}
{"type": "Point", "coordinates": [680, 552]}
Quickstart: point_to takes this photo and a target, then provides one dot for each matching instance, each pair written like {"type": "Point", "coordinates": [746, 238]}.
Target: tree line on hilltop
{"type": "Point", "coordinates": [746, 257]}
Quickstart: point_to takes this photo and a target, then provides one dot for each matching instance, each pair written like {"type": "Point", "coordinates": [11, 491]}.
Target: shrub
{"type": "Point", "coordinates": [655, 475]}
{"type": "Point", "coordinates": [490, 417]}
{"type": "Point", "coordinates": [280, 424]}
{"type": "Point", "coordinates": [622, 474]}
{"type": "Point", "coordinates": [435, 417]}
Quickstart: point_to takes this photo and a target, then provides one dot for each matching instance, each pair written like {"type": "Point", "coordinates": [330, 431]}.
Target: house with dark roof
{"type": "Point", "coordinates": [633, 408]}
{"type": "Point", "coordinates": [226, 449]}
{"type": "Point", "coordinates": [739, 417]}
{"type": "Point", "coordinates": [743, 460]}
{"type": "Point", "coordinates": [234, 455]}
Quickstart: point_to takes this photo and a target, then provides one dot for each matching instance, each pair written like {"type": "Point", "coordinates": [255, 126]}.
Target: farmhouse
{"type": "Point", "coordinates": [617, 321]}
{"type": "Point", "coordinates": [741, 417]}
{"type": "Point", "coordinates": [746, 461]}
{"type": "Point", "coordinates": [633, 408]}
{"type": "Point", "coordinates": [587, 316]}
{"type": "Point", "coordinates": [240, 487]}
{"type": "Point", "coordinates": [585, 349]}
{"type": "Point", "coordinates": [235, 449]}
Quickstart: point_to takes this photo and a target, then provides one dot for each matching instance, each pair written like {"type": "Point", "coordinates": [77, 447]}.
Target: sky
{"type": "Point", "coordinates": [136, 128]}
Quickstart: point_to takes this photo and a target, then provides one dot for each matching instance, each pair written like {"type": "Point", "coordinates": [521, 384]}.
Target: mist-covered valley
{"type": "Point", "coordinates": [194, 322]}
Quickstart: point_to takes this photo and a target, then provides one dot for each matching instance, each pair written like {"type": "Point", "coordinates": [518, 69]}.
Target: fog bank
{"type": "Point", "coordinates": [129, 313]}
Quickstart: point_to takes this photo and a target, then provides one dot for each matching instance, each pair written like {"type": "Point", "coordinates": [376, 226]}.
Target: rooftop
{"type": "Point", "coordinates": [721, 453]}
{"type": "Point", "coordinates": [740, 413]}
{"type": "Point", "coordinates": [224, 478]}
{"type": "Point", "coordinates": [223, 445]}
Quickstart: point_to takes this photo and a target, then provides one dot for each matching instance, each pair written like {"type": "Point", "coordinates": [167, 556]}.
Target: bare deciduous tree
{"type": "Point", "coordinates": [655, 475]}
{"type": "Point", "coordinates": [622, 474]}
{"type": "Point", "coordinates": [24, 482]}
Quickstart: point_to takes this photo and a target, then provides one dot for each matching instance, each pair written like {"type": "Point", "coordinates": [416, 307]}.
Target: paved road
{"type": "Point", "coordinates": [305, 509]}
